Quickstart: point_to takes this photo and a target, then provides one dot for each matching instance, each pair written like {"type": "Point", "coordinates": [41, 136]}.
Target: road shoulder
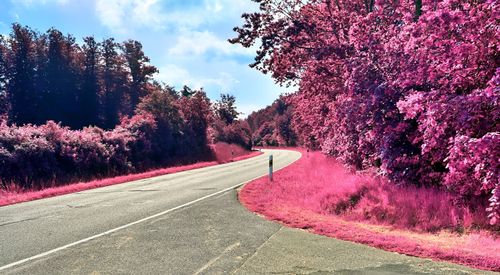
{"type": "Point", "coordinates": [294, 251]}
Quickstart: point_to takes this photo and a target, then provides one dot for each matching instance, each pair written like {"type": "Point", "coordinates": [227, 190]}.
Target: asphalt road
{"type": "Point", "coordinates": [32, 228]}
{"type": "Point", "coordinates": [184, 223]}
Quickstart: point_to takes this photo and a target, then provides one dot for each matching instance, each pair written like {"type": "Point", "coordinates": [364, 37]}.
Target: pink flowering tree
{"type": "Point", "coordinates": [410, 87]}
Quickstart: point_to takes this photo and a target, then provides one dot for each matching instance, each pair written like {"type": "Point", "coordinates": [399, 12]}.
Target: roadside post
{"type": "Point", "coordinates": [271, 168]}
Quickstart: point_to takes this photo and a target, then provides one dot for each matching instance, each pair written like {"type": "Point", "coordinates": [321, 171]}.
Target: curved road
{"type": "Point", "coordinates": [32, 228]}
{"type": "Point", "coordinates": [184, 223]}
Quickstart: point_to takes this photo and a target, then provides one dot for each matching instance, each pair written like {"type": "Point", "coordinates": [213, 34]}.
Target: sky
{"type": "Point", "coordinates": [185, 39]}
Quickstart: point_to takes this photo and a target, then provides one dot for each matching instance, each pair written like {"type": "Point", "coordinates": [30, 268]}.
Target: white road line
{"type": "Point", "coordinates": [129, 224]}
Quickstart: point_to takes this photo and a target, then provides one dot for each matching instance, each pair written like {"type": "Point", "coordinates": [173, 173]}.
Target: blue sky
{"type": "Point", "coordinates": [185, 39]}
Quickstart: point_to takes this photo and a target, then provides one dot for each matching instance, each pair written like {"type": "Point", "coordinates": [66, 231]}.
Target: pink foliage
{"type": "Point", "coordinates": [401, 86]}
{"type": "Point", "coordinates": [237, 132]}
{"type": "Point", "coordinates": [317, 193]}
{"type": "Point", "coordinates": [475, 170]}
{"type": "Point", "coordinates": [13, 194]}
{"type": "Point", "coordinates": [225, 152]}
{"type": "Point", "coordinates": [35, 157]}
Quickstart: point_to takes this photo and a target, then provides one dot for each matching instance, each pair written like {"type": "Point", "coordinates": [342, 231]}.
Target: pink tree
{"type": "Point", "coordinates": [396, 85]}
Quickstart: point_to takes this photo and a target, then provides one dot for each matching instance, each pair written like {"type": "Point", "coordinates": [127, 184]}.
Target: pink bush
{"type": "Point", "coordinates": [317, 193]}
{"type": "Point", "coordinates": [392, 85]}
{"type": "Point", "coordinates": [475, 171]}
{"type": "Point", "coordinates": [35, 157]}
{"type": "Point", "coordinates": [225, 152]}
{"type": "Point", "coordinates": [16, 194]}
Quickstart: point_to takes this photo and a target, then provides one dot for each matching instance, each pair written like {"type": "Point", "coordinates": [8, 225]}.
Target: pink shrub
{"type": "Point", "coordinates": [393, 85]}
{"type": "Point", "coordinates": [224, 152]}
{"type": "Point", "coordinates": [317, 193]}
{"type": "Point", "coordinates": [421, 209]}
{"type": "Point", "coordinates": [34, 157]}
{"type": "Point", "coordinates": [15, 194]}
{"type": "Point", "coordinates": [475, 171]}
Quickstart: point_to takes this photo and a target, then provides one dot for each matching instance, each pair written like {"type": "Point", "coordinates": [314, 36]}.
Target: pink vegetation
{"type": "Point", "coordinates": [225, 152]}
{"type": "Point", "coordinates": [220, 151]}
{"type": "Point", "coordinates": [318, 194]}
{"type": "Point", "coordinates": [368, 95]}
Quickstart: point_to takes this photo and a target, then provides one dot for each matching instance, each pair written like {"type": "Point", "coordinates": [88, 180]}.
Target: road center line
{"type": "Point", "coordinates": [41, 255]}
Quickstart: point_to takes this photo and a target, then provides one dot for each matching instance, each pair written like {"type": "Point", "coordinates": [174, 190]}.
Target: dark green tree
{"type": "Point", "coordinates": [21, 75]}
{"type": "Point", "coordinates": [225, 108]}
{"type": "Point", "coordinates": [140, 70]}
{"type": "Point", "coordinates": [163, 106]}
{"type": "Point", "coordinates": [89, 97]}
{"type": "Point", "coordinates": [115, 84]}
{"type": "Point", "coordinates": [61, 100]}
{"type": "Point", "coordinates": [187, 92]}
{"type": "Point", "coordinates": [3, 77]}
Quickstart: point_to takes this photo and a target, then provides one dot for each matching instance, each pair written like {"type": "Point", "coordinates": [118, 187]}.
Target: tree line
{"type": "Point", "coordinates": [73, 112]}
{"type": "Point", "coordinates": [49, 76]}
{"type": "Point", "coordinates": [272, 126]}
{"type": "Point", "coordinates": [408, 88]}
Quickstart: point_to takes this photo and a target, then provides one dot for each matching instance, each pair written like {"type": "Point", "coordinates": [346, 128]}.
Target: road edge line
{"type": "Point", "coordinates": [52, 251]}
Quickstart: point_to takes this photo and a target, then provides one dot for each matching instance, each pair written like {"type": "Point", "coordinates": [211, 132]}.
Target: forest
{"type": "Point", "coordinates": [71, 112]}
{"type": "Point", "coordinates": [407, 89]}
{"type": "Point", "coordinates": [272, 126]}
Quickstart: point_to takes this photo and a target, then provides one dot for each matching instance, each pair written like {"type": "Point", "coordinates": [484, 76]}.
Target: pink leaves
{"type": "Point", "coordinates": [35, 156]}
{"type": "Point", "coordinates": [474, 169]}
{"type": "Point", "coordinates": [387, 87]}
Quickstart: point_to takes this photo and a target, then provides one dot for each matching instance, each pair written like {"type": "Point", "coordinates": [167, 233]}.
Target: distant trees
{"type": "Point", "coordinates": [272, 126]}
{"type": "Point", "coordinates": [225, 125]}
{"type": "Point", "coordinates": [50, 77]}
{"type": "Point", "coordinates": [21, 75]}
{"type": "Point", "coordinates": [72, 112]}
{"type": "Point", "coordinates": [141, 72]}
{"type": "Point", "coordinates": [3, 78]}
{"type": "Point", "coordinates": [60, 101]}
{"type": "Point", "coordinates": [91, 88]}
{"type": "Point", "coordinates": [225, 108]}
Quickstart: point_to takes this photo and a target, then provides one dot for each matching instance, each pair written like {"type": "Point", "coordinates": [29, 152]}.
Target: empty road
{"type": "Point", "coordinates": [183, 223]}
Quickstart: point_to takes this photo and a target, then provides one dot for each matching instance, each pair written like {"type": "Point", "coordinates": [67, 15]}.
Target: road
{"type": "Point", "coordinates": [183, 223]}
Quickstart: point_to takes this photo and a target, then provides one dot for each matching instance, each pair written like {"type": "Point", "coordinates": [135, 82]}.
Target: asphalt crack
{"type": "Point", "coordinates": [257, 250]}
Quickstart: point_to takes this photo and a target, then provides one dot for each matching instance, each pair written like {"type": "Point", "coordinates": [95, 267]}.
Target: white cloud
{"type": "Point", "coordinates": [30, 3]}
{"type": "Point", "coordinates": [173, 75]}
{"type": "Point", "coordinates": [178, 77]}
{"type": "Point", "coordinates": [214, 6]}
{"type": "Point", "coordinates": [247, 109]}
{"type": "Point", "coordinates": [120, 16]}
{"type": "Point", "coordinates": [199, 43]}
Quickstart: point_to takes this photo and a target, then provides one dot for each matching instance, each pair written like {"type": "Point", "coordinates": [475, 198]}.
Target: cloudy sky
{"type": "Point", "coordinates": [185, 39]}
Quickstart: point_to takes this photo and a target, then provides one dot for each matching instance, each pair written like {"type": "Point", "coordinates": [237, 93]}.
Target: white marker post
{"type": "Point", "coordinates": [271, 168]}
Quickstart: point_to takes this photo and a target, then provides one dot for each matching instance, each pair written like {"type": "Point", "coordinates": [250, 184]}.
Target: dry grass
{"type": "Point", "coordinates": [318, 194]}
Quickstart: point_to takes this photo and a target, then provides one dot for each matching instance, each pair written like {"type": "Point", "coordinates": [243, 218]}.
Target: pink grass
{"type": "Point", "coordinates": [316, 193]}
{"type": "Point", "coordinates": [17, 196]}
{"type": "Point", "coordinates": [225, 152]}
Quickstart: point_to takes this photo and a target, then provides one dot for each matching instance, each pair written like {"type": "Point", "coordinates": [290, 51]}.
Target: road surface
{"type": "Point", "coordinates": [183, 223]}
